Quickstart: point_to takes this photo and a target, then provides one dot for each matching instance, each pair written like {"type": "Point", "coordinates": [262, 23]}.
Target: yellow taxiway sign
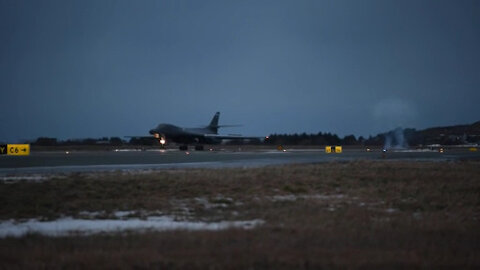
{"type": "Point", "coordinates": [15, 149]}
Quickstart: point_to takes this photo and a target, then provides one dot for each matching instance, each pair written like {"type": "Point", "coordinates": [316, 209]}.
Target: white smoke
{"type": "Point", "coordinates": [395, 139]}
{"type": "Point", "coordinates": [392, 115]}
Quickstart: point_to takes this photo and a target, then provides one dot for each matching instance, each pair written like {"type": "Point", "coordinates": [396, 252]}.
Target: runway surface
{"type": "Point", "coordinates": [59, 162]}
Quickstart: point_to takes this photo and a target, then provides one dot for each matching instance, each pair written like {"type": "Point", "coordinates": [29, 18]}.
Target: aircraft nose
{"type": "Point", "coordinates": [152, 131]}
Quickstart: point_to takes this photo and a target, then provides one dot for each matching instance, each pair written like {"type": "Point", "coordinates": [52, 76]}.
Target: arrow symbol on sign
{"type": "Point", "coordinates": [24, 149]}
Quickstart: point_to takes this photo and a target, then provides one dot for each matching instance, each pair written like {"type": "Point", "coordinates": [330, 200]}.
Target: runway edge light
{"type": "Point", "coordinates": [18, 149]}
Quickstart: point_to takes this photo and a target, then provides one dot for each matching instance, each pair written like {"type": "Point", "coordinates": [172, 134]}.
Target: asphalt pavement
{"type": "Point", "coordinates": [80, 161]}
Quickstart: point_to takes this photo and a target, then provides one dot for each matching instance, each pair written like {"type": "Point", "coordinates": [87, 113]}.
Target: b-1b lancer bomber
{"type": "Point", "coordinates": [197, 136]}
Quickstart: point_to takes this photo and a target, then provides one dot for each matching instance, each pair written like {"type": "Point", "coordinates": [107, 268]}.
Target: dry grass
{"type": "Point", "coordinates": [334, 216]}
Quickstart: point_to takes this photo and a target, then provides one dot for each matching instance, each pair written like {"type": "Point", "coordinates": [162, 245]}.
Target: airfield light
{"type": "Point", "coordinates": [162, 141]}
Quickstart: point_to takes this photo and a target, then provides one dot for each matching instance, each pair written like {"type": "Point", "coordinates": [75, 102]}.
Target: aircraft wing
{"type": "Point", "coordinates": [140, 137]}
{"type": "Point", "coordinates": [232, 137]}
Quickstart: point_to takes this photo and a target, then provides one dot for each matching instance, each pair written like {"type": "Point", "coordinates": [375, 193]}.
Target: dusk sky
{"type": "Point", "coordinates": [74, 69]}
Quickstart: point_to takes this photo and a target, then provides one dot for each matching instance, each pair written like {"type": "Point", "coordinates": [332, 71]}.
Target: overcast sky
{"type": "Point", "coordinates": [73, 69]}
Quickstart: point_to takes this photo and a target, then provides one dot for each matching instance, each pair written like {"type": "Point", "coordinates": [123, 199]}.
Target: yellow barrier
{"type": "Point", "coordinates": [333, 149]}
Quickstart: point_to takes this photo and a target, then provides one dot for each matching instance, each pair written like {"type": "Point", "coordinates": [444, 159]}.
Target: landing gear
{"type": "Point", "coordinates": [199, 148]}
{"type": "Point", "coordinates": [161, 140]}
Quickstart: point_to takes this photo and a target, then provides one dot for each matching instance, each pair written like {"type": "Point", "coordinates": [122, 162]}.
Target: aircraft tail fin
{"type": "Point", "coordinates": [213, 126]}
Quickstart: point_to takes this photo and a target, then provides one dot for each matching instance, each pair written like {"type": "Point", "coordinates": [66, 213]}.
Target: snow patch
{"type": "Point", "coordinates": [70, 226]}
{"type": "Point", "coordinates": [33, 178]}
{"type": "Point", "coordinates": [291, 197]}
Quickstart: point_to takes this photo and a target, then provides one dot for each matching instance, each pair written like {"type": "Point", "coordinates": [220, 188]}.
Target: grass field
{"type": "Point", "coordinates": [351, 215]}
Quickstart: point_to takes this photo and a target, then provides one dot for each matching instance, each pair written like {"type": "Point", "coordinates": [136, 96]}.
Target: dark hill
{"type": "Point", "coordinates": [458, 130]}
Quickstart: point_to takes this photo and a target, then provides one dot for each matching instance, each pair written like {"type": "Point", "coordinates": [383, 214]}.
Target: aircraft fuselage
{"type": "Point", "coordinates": [182, 135]}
